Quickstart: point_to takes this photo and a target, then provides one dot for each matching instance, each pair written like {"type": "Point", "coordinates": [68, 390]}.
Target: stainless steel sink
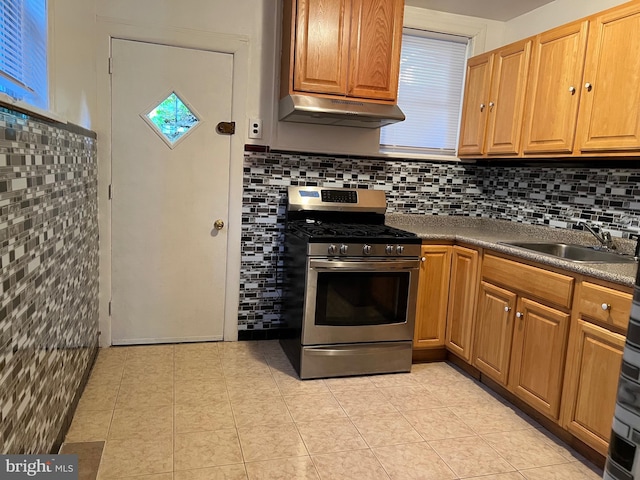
{"type": "Point", "coordinates": [573, 253]}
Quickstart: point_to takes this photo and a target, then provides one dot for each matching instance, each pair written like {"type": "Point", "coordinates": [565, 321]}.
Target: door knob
{"type": "Point", "coordinates": [218, 224]}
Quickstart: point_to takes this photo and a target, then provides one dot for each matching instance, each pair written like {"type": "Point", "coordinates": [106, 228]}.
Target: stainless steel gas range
{"type": "Point", "coordinates": [350, 284]}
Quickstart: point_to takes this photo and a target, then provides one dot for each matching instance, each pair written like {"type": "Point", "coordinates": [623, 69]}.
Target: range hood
{"type": "Point", "coordinates": [329, 111]}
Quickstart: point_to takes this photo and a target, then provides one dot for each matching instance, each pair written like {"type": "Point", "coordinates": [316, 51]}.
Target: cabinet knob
{"type": "Point", "coordinates": [423, 259]}
{"type": "Point", "coordinates": [588, 86]}
{"type": "Point", "coordinates": [605, 306]}
{"type": "Point", "coordinates": [507, 309]}
{"type": "Point", "coordinates": [491, 105]}
{"type": "Point", "coordinates": [572, 90]}
{"type": "Point", "coordinates": [519, 315]}
{"type": "Point", "coordinates": [482, 105]}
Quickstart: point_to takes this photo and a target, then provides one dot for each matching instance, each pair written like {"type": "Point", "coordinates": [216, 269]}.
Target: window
{"type": "Point", "coordinates": [432, 69]}
{"type": "Point", "coordinates": [23, 51]}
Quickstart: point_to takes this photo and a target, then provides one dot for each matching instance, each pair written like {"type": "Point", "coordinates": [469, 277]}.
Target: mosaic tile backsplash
{"type": "Point", "coordinates": [48, 277]}
{"type": "Point", "coordinates": [557, 197]}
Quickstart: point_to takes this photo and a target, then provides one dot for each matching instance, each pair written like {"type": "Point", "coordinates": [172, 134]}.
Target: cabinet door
{"type": "Point", "coordinates": [433, 293]}
{"type": "Point", "coordinates": [374, 54]}
{"type": "Point", "coordinates": [463, 290]}
{"type": "Point", "coordinates": [473, 124]}
{"type": "Point", "coordinates": [553, 90]}
{"type": "Point", "coordinates": [609, 116]}
{"type": "Point", "coordinates": [506, 101]}
{"type": "Point", "coordinates": [538, 355]}
{"type": "Point", "coordinates": [591, 386]}
{"type": "Point", "coordinates": [493, 332]}
{"type": "Point", "coordinates": [322, 46]}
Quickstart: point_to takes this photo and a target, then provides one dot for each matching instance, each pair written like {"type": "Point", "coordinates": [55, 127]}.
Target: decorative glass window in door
{"type": "Point", "coordinates": [172, 119]}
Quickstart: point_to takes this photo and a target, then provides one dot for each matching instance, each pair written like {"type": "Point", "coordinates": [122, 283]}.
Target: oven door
{"type": "Point", "coordinates": [359, 301]}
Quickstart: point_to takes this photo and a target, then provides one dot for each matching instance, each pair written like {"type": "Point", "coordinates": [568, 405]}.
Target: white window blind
{"type": "Point", "coordinates": [432, 69]}
{"type": "Point", "coordinates": [23, 51]}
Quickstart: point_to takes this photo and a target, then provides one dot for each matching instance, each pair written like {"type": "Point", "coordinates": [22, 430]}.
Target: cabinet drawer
{"type": "Point", "coordinates": [543, 284]}
{"type": "Point", "coordinates": [604, 304]}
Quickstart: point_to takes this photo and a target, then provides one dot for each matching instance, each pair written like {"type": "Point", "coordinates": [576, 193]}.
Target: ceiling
{"type": "Point", "coordinates": [502, 10]}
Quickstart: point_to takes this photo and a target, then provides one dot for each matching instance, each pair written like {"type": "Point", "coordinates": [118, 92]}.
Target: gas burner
{"type": "Point", "coordinates": [347, 231]}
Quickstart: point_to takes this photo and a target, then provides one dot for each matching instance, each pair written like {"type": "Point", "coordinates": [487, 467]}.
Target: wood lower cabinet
{"type": "Point", "coordinates": [463, 290]}
{"type": "Point", "coordinates": [433, 295]}
{"type": "Point", "coordinates": [538, 356]}
{"type": "Point", "coordinates": [594, 360]}
{"type": "Point", "coordinates": [520, 339]}
{"type": "Point", "coordinates": [590, 388]}
{"type": "Point", "coordinates": [494, 331]}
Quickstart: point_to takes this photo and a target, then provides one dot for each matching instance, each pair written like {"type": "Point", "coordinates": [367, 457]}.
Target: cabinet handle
{"type": "Point", "coordinates": [491, 105]}
{"type": "Point", "coordinates": [423, 259]}
{"type": "Point", "coordinates": [507, 309]}
{"type": "Point", "coordinates": [519, 315]}
{"type": "Point", "coordinates": [605, 306]}
{"type": "Point", "coordinates": [482, 105]}
{"type": "Point", "coordinates": [572, 90]}
{"type": "Point", "coordinates": [588, 86]}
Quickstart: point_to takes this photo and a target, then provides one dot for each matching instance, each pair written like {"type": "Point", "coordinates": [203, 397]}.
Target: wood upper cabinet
{"type": "Point", "coordinates": [433, 295]}
{"type": "Point", "coordinates": [506, 101]}
{"type": "Point", "coordinates": [494, 101]}
{"type": "Point", "coordinates": [554, 89]}
{"type": "Point", "coordinates": [321, 46]}
{"type": "Point", "coordinates": [538, 354]}
{"type": "Point", "coordinates": [463, 292]}
{"type": "Point", "coordinates": [609, 118]}
{"type": "Point", "coordinates": [342, 47]}
{"type": "Point", "coordinates": [494, 330]}
{"type": "Point", "coordinates": [590, 389]}
{"type": "Point", "coordinates": [473, 124]}
{"type": "Point", "coordinates": [374, 53]}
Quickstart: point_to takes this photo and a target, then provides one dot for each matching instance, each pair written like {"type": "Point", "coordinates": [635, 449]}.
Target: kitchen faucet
{"type": "Point", "coordinates": [604, 238]}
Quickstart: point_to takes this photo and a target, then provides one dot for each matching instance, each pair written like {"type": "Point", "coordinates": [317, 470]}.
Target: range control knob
{"type": "Point", "coordinates": [343, 249]}
{"type": "Point", "coordinates": [333, 250]}
{"type": "Point", "coordinates": [388, 249]}
{"type": "Point", "coordinates": [366, 249]}
{"type": "Point", "coordinates": [399, 249]}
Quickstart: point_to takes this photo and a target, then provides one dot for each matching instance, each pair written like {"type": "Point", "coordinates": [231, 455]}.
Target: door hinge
{"type": "Point", "coordinates": [110, 65]}
{"type": "Point", "coordinates": [109, 307]}
{"type": "Point", "coordinates": [226, 128]}
{"type": "Point", "coordinates": [110, 193]}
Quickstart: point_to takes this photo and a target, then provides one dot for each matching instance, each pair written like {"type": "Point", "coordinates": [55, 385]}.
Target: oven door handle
{"type": "Point", "coordinates": [365, 266]}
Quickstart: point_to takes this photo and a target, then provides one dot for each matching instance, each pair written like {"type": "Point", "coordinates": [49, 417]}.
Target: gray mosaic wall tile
{"type": "Point", "coordinates": [563, 197]}
{"type": "Point", "coordinates": [412, 187]}
{"type": "Point", "coordinates": [48, 277]}
{"type": "Point", "coordinates": [557, 197]}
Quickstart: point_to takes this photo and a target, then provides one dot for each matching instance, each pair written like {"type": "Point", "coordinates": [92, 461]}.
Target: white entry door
{"type": "Point", "coordinates": [170, 186]}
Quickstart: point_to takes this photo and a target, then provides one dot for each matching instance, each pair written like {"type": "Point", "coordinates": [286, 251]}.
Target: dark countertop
{"type": "Point", "coordinates": [487, 233]}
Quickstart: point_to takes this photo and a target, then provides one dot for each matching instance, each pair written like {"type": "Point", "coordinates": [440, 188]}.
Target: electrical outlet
{"type": "Point", "coordinates": [255, 128]}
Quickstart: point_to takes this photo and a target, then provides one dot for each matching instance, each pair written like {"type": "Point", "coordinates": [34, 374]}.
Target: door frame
{"type": "Point", "coordinates": [238, 46]}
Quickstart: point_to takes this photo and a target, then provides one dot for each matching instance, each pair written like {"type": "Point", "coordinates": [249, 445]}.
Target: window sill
{"type": "Point", "coordinates": [426, 157]}
{"type": "Point", "coordinates": [23, 107]}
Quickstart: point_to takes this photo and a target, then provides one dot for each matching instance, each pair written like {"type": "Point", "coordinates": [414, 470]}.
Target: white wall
{"type": "Point", "coordinates": [72, 61]}
{"type": "Point", "coordinates": [553, 15]}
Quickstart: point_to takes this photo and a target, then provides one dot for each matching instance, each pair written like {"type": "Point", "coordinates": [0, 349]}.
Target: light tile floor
{"type": "Point", "coordinates": [238, 411]}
